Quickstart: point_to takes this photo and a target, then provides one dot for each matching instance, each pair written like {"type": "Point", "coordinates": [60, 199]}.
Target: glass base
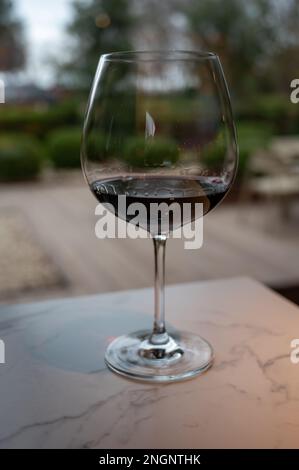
{"type": "Point", "coordinates": [182, 357]}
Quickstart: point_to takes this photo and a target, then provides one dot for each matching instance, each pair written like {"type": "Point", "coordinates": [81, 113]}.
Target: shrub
{"type": "Point", "coordinates": [213, 153]}
{"type": "Point", "coordinates": [20, 158]}
{"type": "Point", "coordinates": [251, 137]}
{"type": "Point", "coordinates": [273, 108]}
{"type": "Point", "coordinates": [63, 114]}
{"type": "Point", "coordinates": [151, 152]}
{"type": "Point", "coordinates": [38, 122]}
{"type": "Point", "coordinates": [98, 148]}
{"type": "Point", "coordinates": [254, 136]}
{"type": "Point", "coordinates": [64, 148]}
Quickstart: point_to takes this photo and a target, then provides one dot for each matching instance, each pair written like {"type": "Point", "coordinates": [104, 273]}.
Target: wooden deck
{"type": "Point", "coordinates": [242, 240]}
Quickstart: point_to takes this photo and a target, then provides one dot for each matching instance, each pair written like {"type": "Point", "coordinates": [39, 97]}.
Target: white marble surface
{"type": "Point", "coordinates": [57, 392]}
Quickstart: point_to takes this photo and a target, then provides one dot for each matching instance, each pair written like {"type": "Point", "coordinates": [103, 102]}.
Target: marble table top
{"type": "Point", "coordinates": [56, 391]}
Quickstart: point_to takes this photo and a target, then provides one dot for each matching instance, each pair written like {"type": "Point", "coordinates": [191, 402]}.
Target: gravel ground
{"type": "Point", "coordinates": [24, 265]}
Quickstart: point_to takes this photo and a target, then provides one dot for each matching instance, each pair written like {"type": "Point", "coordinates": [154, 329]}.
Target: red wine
{"type": "Point", "coordinates": [207, 190]}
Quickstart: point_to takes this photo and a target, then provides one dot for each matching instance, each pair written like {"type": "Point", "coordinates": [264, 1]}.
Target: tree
{"type": "Point", "coordinates": [243, 33]}
{"type": "Point", "coordinates": [12, 52]}
{"type": "Point", "coordinates": [285, 59]}
{"type": "Point", "coordinates": [97, 27]}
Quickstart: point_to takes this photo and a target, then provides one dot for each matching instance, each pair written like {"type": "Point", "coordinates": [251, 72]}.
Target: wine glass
{"type": "Point", "coordinates": [159, 129]}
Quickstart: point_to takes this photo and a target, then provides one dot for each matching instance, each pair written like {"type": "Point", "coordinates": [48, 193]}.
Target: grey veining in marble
{"type": "Point", "coordinates": [57, 392]}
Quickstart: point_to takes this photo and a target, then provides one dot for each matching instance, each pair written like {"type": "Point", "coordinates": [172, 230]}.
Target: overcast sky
{"type": "Point", "coordinates": [44, 23]}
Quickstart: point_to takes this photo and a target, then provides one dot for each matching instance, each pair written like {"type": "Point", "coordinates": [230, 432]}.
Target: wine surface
{"type": "Point", "coordinates": [164, 191]}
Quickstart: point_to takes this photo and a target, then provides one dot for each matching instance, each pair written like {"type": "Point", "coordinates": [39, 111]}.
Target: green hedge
{"type": "Point", "coordinates": [39, 122]}
{"type": "Point", "coordinates": [20, 158]}
{"type": "Point", "coordinates": [98, 148]}
{"type": "Point", "coordinates": [212, 154]}
{"type": "Point", "coordinates": [151, 152]}
{"type": "Point", "coordinates": [64, 148]}
{"type": "Point", "coordinates": [251, 137]}
{"type": "Point", "coordinates": [277, 110]}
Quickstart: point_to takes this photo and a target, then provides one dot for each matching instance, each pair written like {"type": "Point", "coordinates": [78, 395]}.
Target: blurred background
{"type": "Point", "coordinates": [48, 57]}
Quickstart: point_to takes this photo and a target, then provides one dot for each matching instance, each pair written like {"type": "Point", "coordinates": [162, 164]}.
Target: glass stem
{"type": "Point", "coordinates": [159, 334]}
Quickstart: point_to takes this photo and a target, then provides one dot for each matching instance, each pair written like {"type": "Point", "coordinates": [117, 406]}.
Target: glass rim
{"type": "Point", "coordinates": [157, 55]}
